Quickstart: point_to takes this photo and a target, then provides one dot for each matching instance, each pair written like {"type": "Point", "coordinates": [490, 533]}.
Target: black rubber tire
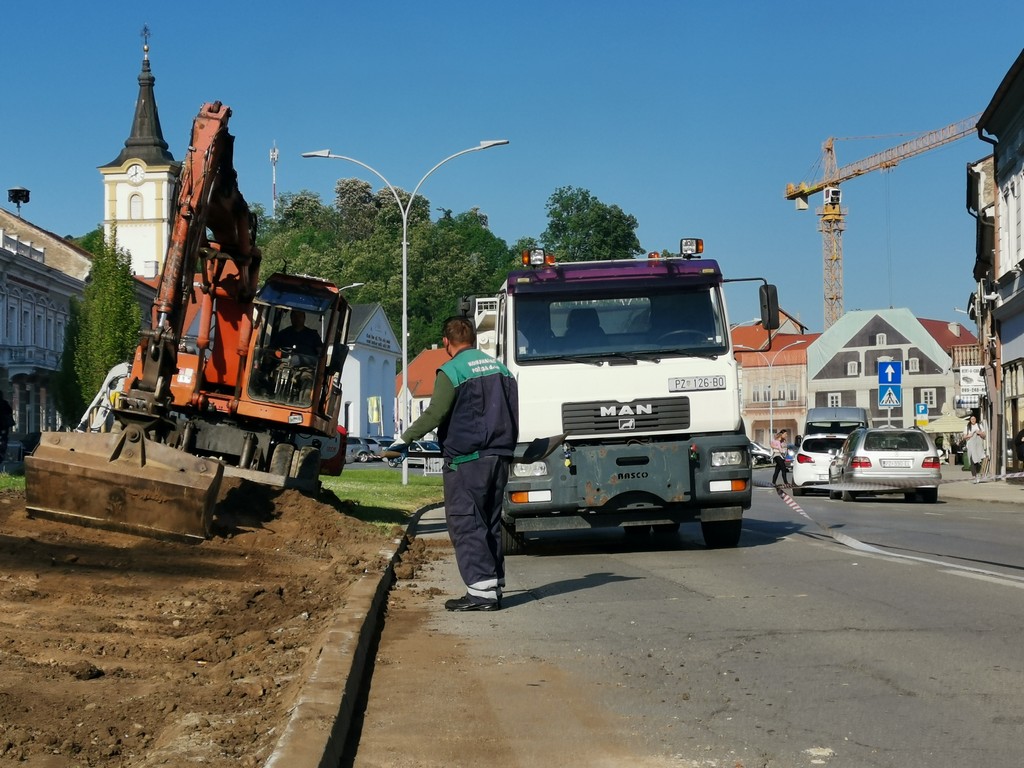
{"type": "Point", "coordinates": [721, 534]}
{"type": "Point", "coordinates": [306, 463]}
{"type": "Point", "coordinates": [848, 495]}
{"type": "Point", "coordinates": [929, 495]}
{"type": "Point", "coordinates": [363, 457]}
{"type": "Point", "coordinates": [665, 529]}
{"type": "Point", "coordinates": [512, 543]}
{"type": "Point", "coordinates": [835, 495]}
{"type": "Point", "coordinates": [796, 491]}
{"type": "Point", "coordinates": [281, 460]}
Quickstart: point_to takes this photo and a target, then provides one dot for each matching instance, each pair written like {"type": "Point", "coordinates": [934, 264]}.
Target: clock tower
{"type": "Point", "coordinates": [138, 185]}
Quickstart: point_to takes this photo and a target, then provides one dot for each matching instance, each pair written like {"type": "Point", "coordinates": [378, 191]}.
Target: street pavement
{"type": "Point", "coordinates": [325, 710]}
{"type": "Point", "coordinates": [957, 484]}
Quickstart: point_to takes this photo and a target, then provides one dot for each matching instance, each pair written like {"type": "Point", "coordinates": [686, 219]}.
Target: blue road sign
{"type": "Point", "coordinates": [890, 372]}
{"type": "Point", "coordinates": [890, 396]}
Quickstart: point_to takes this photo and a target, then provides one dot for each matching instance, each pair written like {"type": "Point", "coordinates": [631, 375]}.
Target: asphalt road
{"type": "Point", "coordinates": [872, 633]}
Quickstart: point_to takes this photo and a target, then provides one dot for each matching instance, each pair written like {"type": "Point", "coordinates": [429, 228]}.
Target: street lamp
{"type": "Point", "coordinates": [405, 209]}
{"type": "Point", "coordinates": [771, 380]}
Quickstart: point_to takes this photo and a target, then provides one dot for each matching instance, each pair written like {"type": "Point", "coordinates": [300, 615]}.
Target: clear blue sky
{"type": "Point", "coordinates": [690, 116]}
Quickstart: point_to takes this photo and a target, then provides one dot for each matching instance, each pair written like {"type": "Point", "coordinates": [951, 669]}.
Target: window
{"type": "Point", "coordinates": [135, 207]}
{"type": "Point", "coordinates": [792, 392]}
{"type": "Point", "coordinates": [835, 399]}
{"type": "Point", "coordinates": [928, 398]}
{"type": "Point", "coordinates": [913, 365]}
{"type": "Point", "coordinates": [852, 368]}
{"type": "Point", "coordinates": [880, 339]}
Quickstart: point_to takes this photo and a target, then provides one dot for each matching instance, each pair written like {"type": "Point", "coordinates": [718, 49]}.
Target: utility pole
{"type": "Point", "coordinates": [273, 175]}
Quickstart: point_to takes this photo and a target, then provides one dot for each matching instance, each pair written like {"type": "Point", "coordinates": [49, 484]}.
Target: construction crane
{"type": "Point", "coordinates": [833, 215]}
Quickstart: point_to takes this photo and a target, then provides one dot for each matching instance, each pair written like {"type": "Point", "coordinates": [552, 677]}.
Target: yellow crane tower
{"type": "Point", "coordinates": [833, 215]}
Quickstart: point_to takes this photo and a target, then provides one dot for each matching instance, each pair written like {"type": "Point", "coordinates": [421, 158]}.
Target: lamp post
{"type": "Point", "coordinates": [405, 209]}
{"type": "Point", "coordinates": [771, 381]}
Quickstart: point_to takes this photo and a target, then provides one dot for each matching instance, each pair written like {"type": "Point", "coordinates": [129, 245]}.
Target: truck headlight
{"type": "Point", "coordinates": [536, 469]}
{"type": "Point", "coordinates": [733, 458]}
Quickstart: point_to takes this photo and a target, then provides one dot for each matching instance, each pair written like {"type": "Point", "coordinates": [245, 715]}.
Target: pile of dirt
{"type": "Point", "coordinates": [123, 651]}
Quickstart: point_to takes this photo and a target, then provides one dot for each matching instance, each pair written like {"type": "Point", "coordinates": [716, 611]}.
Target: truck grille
{"type": "Point", "coordinates": [649, 415]}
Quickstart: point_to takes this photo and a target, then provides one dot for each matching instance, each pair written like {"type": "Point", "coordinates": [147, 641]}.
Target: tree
{"type": "Point", "coordinates": [66, 391]}
{"type": "Point", "coordinates": [109, 321]}
{"type": "Point", "coordinates": [582, 228]}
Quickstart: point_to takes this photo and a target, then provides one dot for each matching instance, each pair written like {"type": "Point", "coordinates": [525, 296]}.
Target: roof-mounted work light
{"type": "Point", "coordinates": [691, 247]}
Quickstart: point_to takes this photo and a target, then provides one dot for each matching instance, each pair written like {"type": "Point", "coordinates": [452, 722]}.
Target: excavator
{"type": "Point", "coordinates": [213, 388]}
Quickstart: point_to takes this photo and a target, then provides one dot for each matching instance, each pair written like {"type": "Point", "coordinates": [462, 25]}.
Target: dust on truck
{"type": "Point", "coordinates": [627, 376]}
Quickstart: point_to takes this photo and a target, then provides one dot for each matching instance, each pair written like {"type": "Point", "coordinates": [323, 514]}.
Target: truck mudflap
{"type": "Point", "coordinates": [122, 481]}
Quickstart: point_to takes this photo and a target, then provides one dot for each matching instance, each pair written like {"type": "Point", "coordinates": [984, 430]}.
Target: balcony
{"type": "Point", "coordinates": [966, 354]}
{"type": "Point", "coordinates": [29, 357]}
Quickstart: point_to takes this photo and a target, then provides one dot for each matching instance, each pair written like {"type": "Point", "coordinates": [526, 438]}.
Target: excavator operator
{"type": "Point", "coordinates": [299, 340]}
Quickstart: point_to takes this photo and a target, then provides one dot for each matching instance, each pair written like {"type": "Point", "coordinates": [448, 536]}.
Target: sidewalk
{"type": "Point", "coordinates": [957, 484]}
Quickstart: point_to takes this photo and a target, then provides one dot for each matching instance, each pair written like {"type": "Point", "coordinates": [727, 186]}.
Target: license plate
{"type": "Point", "coordinates": [695, 383]}
{"type": "Point", "coordinates": [897, 463]}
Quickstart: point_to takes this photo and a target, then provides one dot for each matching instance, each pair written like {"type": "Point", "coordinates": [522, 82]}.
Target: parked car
{"type": "Point", "coordinates": [359, 449]}
{"type": "Point", "coordinates": [813, 457]}
{"type": "Point", "coordinates": [887, 460]}
{"type": "Point", "coordinates": [419, 452]}
{"type": "Point", "coordinates": [377, 446]}
{"type": "Point", "coordinates": [759, 455]}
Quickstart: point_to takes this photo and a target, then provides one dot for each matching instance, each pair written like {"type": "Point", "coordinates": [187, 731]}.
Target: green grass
{"type": "Point", "coordinates": [11, 482]}
{"type": "Point", "coordinates": [377, 495]}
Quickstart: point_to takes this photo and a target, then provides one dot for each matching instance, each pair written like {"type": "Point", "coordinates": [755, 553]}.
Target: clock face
{"type": "Point", "coordinates": [136, 174]}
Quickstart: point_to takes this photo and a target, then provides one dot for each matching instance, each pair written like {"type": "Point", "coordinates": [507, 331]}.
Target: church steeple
{"type": "Point", "coordinates": [146, 142]}
{"type": "Point", "coordinates": [138, 185]}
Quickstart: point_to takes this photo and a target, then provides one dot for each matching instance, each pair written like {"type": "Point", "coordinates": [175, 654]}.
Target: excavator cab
{"type": "Point", "coordinates": [298, 339]}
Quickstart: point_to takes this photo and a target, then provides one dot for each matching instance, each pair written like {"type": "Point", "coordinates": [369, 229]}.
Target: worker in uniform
{"type": "Point", "coordinates": [475, 410]}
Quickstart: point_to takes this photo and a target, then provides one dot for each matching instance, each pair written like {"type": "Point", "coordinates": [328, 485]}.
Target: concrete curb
{"type": "Point", "coordinates": [325, 707]}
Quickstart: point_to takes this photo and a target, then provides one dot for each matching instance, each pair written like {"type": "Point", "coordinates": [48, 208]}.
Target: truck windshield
{"type": "Point", "coordinates": [673, 321]}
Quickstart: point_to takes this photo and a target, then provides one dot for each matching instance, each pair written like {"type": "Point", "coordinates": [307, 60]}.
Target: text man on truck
{"type": "Point", "coordinates": [626, 367]}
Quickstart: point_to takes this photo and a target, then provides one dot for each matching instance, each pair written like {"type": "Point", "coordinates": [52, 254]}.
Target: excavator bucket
{"type": "Point", "coordinates": [122, 481]}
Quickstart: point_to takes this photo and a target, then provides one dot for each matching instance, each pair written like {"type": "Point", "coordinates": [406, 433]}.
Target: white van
{"type": "Point", "coordinates": [834, 421]}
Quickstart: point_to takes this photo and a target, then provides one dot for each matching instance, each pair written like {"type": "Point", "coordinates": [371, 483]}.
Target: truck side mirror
{"type": "Point", "coordinates": [769, 295]}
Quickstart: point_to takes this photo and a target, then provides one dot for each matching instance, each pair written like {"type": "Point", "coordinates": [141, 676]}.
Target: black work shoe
{"type": "Point", "coordinates": [465, 603]}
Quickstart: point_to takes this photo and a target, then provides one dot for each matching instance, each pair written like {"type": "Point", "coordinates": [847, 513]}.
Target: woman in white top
{"type": "Point", "coordinates": [974, 439]}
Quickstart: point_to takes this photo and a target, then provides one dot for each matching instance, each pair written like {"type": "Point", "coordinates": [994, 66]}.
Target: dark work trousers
{"type": "Point", "coordinates": [472, 509]}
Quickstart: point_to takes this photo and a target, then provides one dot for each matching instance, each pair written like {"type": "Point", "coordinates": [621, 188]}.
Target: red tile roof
{"type": "Point", "coordinates": [422, 372]}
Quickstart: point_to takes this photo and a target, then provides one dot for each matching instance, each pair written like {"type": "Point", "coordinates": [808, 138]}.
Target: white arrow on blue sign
{"type": "Point", "coordinates": [890, 372]}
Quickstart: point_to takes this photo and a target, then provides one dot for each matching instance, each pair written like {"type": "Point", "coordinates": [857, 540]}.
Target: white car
{"type": "Point", "coordinates": [810, 465]}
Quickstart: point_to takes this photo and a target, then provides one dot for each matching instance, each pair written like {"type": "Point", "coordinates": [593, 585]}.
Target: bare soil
{"type": "Point", "coordinates": [122, 651]}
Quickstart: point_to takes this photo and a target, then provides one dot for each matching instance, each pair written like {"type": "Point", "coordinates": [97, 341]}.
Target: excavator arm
{"type": "Point", "coordinates": [208, 200]}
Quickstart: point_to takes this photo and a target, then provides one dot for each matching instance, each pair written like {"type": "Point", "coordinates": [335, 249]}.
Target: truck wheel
{"type": "Point", "coordinates": [721, 534]}
{"type": "Point", "coordinates": [281, 460]}
{"type": "Point", "coordinates": [512, 543]}
{"type": "Point", "coordinates": [306, 463]}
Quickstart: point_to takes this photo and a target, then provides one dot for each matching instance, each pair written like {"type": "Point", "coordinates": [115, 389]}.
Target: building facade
{"type": "Point", "coordinates": [39, 274]}
{"type": "Point", "coordinates": [996, 200]}
{"type": "Point", "coordinates": [367, 380]}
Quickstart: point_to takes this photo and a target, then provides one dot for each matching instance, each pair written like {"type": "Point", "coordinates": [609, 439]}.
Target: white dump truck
{"type": "Point", "coordinates": [628, 394]}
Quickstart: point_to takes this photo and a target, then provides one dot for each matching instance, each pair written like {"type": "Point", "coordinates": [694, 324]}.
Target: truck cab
{"type": "Point", "coordinates": [626, 367]}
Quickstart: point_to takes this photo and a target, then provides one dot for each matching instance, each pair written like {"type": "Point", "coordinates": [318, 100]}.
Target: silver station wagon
{"type": "Point", "coordinates": [883, 460]}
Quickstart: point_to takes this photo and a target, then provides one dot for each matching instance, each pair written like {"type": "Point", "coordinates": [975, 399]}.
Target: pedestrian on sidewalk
{"type": "Point", "coordinates": [974, 442]}
{"type": "Point", "coordinates": [475, 410]}
{"type": "Point", "coordinates": [780, 447]}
